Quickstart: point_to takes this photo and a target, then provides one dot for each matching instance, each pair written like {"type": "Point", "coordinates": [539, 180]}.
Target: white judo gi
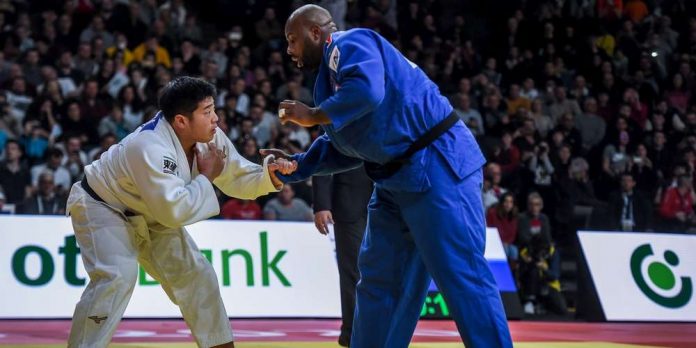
{"type": "Point", "coordinates": [148, 194]}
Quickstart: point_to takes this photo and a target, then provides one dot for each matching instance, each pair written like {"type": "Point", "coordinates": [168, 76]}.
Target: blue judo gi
{"type": "Point", "coordinates": [425, 220]}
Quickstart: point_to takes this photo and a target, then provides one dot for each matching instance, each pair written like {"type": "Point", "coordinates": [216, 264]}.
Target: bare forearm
{"type": "Point", "coordinates": [318, 117]}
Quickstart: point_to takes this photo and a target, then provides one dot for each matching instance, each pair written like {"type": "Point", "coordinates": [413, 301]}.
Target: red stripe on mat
{"type": "Point", "coordinates": [56, 331]}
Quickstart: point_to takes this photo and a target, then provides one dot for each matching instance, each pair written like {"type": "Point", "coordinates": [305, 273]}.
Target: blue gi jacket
{"type": "Point", "coordinates": [379, 103]}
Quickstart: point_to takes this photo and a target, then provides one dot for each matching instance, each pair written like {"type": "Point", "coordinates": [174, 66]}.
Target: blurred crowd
{"type": "Point", "coordinates": [584, 108]}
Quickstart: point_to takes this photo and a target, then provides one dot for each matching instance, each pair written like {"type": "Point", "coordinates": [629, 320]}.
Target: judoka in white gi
{"type": "Point", "coordinates": [134, 202]}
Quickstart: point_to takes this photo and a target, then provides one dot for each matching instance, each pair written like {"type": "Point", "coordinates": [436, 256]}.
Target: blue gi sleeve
{"type": "Point", "coordinates": [359, 71]}
{"type": "Point", "coordinates": [322, 158]}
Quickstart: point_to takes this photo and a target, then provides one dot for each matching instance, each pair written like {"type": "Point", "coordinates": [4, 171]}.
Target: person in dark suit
{"type": "Point", "coordinates": [341, 200]}
{"type": "Point", "coordinates": [629, 209]}
{"type": "Point", "coordinates": [45, 201]}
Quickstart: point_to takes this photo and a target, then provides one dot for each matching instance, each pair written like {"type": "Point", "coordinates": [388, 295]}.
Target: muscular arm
{"type": "Point", "coordinates": [322, 158]}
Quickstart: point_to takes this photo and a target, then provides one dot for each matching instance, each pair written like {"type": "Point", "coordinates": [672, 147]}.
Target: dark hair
{"type": "Point", "coordinates": [500, 210]}
{"type": "Point", "coordinates": [53, 152]}
{"type": "Point", "coordinates": [628, 174]}
{"type": "Point", "coordinates": [13, 141]}
{"type": "Point", "coordinates": [182, 95]}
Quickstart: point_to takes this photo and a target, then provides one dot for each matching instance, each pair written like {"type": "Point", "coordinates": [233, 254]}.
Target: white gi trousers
{"type": "Point", "coordinates": [111, 246]}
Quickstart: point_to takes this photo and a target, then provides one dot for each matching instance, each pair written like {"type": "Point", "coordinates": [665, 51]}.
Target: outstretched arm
{"type": "Point", "coordinates": [322, 158]}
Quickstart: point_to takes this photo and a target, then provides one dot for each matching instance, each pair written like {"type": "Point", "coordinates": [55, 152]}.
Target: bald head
{"type": "Point", "coordinates": [306, 30]}
{"type": "Point", "coordinates": [309, 15]}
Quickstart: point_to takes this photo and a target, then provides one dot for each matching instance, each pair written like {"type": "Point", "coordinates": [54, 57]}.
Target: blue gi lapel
{"type": "Point", "coordinates": [322, 87]}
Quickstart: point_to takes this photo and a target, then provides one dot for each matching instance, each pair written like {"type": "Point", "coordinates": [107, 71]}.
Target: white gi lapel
{"type": "Point", "coordinates": [181, 161]}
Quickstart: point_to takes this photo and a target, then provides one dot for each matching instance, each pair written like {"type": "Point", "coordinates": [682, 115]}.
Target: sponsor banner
{"type": "Point", "coordinates": [265, 269]}
{"type": "Point", "coordinates": [642, 276]}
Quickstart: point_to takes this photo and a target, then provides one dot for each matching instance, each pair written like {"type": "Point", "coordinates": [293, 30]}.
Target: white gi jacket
{"type": "Point", "coordinates": [147, 173]}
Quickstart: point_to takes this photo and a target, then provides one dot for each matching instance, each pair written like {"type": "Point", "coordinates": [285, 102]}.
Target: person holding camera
{"type": "Point", "coordinates": [540, 164]}
{"type": "Point", "coordinates": [539, 261]}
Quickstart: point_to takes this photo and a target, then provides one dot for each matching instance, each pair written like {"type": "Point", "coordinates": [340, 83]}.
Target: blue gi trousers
{"type": "Point", "coordinates": [412, 236]}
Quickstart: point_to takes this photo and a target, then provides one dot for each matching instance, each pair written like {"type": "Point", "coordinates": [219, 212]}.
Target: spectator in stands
{"type": "Point", "coordinates": [615, 159]}
{"type": "Point", "coordinates": [152, 46]}
{"type": "Point", "coordinates": [19, 97]}
{"type": "Point", "coordinates": [70, 78]}
{"type": "Point", "coordinates": [562, 105]}
{"type": "Point", "coordinates": [643, 171]}
{"type": "Point", "coordinates": [129, 23]}
{"type": "Point", "coordinates": [105, 142]}
{"type": "Point", "coordinates": [660, 155]}
{"type": "Point", "coordinates": [73, 124]}
{"type": "Point", "coordinates": [15, 181]}
{"type": "Point", "coordinates": [629, 209]}
{"type": "Point", "coordinates": [677, 207]}
{"type": "Point", "coordinates": [471, 117]}
{"type": "Point", "coordinates": [93, 106]}
{"type": "Point", "coordinates": [97, 29]}
{"type": "Point", "coordinates": [515, 101]}
{"type": "Point", "coordinates": [539, 260]}
{"type": "Point", "coordinates": [678, 95]}
{"type": "Point", "coordinates": [269, 29]}
{"type": "Point", "coordinates": [191, 30]}
{"type": "Point", "coordinates": [265, 124]}
{"type": "Point", "coordinates": [250, 150]}
{"type": "Point", "coordinates": [542, 122]}
{"type": "Point", "coordinates": [190, 58]}
{"type": "Point", "coordinates": [84, 60]}
{"type": "Point", "coordinates": [286, 207]}
{"type": "Point", "coordinates": [61, 176]}
{"type": "Point", "coordinates": [46, 201]}
{"type": "Point", "coordinates": [639, 110]}
{"type": "Point", "coordinates": [575, 199]}
{"type": "Point", "coordinates": [580, 90]}
{"type": "Point", "coordinates": [74, 158]}
{"type": "Point", "coordinates": [503, 216]}
{"type": "Point", "coordinates": [492, 191]}
{"type": "Point", "coordinates": [542, 169]}
{"type": "Point", "coordinates": [35, 141]}
{"type": "Point", "coordinates": [571, 135]}
{"type": "Point", "coordinates": [31, 67]}
{"type": "Point", "coordinates": [635, 10]}
{"type": "Point", "coordinates": [240, 209]}
{"type": "Point", "coordinates": [114, 123]}
{"type": "Point", "coordinates": [507, 155]}
{"type": "Point", "coordinates": [528, 90]}
{"type": "Point", "coordinates": [132, 106]}
{"type": "Point", "coordinates": [120, 51]}
{"type": "Point", "coordinates": [494, 113]}
{"type": "Point", "coordinates": [591, 127]}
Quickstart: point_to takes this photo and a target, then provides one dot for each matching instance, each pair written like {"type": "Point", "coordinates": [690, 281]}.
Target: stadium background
{"type": "Point", "coordinates": [565, 98]}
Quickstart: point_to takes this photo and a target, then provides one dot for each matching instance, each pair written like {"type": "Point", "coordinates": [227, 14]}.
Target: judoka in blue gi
{"type": "Point", "coordinates": [426, 217]}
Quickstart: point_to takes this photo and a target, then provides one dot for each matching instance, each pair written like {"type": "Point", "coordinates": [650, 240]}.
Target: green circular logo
{"type": "Point", "coordinates": [661, 275]}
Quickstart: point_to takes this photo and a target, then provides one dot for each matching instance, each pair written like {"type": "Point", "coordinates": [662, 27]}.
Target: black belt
{"type": "Point", "coordinates": [378, 171]}
{"type": "Point", "coordinates": [91, 193]}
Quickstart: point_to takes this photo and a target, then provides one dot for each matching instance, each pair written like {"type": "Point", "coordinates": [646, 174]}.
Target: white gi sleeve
{"type": "Point", "coordinates": [172, 202]}
{"type": "Point", "coordinates": [241, 178]}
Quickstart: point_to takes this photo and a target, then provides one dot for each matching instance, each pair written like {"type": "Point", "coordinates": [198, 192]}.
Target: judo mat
{"type": "Point", "coordinates": [324, 333]}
